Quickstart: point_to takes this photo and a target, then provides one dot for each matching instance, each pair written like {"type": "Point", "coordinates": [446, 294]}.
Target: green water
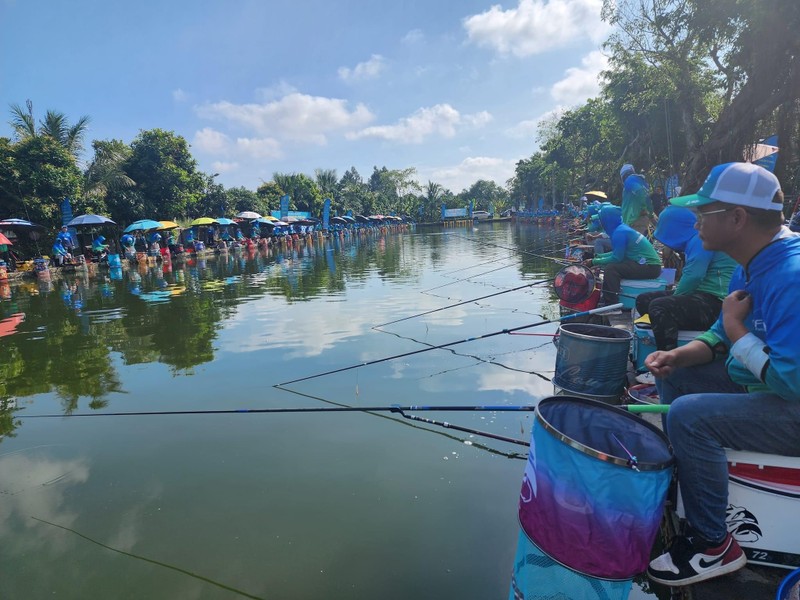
{"type": "Point", "coordinates": [323, 505]}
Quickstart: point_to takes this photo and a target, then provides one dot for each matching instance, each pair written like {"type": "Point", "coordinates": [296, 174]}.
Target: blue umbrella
{"type": "Point", "coordinates": [19, 224]}
{"type": "Point", "coordinates": [224, 221]}
{"type": "Point", "coordinates": [90, 220]}
{"type": "Point", "coordinates": [142, 225]}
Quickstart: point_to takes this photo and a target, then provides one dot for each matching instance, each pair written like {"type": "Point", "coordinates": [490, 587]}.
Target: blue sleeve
{"type": "Point", "coordinates": [694, 271]}
{"type": "Point", "coordinates": [783, 325]}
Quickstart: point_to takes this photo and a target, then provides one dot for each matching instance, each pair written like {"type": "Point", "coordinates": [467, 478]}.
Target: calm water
{"type": "Point", "coordinates": [321, 505]}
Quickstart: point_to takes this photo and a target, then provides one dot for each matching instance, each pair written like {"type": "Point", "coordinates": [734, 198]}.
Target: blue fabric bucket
{"type": "Point", "coordinates": [592, 359]}
{"type": "Point", "coordinates": [584, 501]}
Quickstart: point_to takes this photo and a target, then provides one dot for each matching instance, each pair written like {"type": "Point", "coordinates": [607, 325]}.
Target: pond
{"type": "Point", "coordinates": [226, 504]}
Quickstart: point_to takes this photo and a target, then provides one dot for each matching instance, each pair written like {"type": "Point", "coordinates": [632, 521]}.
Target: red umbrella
{"type": "Point", "coordinates": [5, 240]}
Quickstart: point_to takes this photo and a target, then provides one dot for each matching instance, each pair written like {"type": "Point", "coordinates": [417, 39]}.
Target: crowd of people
{"type": "Point", "coordinates": [737, 385]}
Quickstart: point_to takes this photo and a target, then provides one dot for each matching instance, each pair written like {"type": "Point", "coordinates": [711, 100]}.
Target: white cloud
{"type": "Point", "coordinates": [179, 95]}
{"type": "Point", "coordinates": [582, 83]}
{"type": "Point", "coordinates": [441, 119]}
{"type": "Point", "coordinates": [259, 148]}
{"type": "Point", "coordinates": [279, 90]}
{"type": "Point", "coordinates": [413, 37]}
{"type": "Point", "coordinates": [224, 167]}
{"type": "Point", "coordinates": [536, 26]}
{"type": "Point", "coordinates": [471, 169]}
{"type": "Point", "coordinates": [523, 129]}
{"type": "Point", "coordinates": [366, 70]}
{"type": "Point", "coordinates": [297, 117]}
{"type": "Point", "coordinates": [211, 141]}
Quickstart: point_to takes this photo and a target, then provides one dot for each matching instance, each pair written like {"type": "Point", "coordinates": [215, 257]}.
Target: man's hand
{"type": "Point", "coordinates": [735, 309]}
{"type": "Point", "coordinates": [661, 363]}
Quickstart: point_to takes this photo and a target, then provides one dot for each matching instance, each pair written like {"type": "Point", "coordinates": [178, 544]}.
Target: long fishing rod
{"type": "Point", "coordinates": [440, 346]}
{"type": "Point", "coordinates": [561, 261]}
{"type": "Point", "coordinates": [428, 312]}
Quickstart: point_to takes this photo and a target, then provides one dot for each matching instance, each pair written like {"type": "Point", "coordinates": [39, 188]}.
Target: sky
{"type": "Point", "coordinates": [452, 88]}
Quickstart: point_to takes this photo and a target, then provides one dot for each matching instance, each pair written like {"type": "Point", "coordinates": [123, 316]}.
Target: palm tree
{"type": "Point", "coordinates": [54, 125]}
{"type": "Point", "coordinates": [106, 173]}
{"type": "Point", "coordinates": [326, 181]}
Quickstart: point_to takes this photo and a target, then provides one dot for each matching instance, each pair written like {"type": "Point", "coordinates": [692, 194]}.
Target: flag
{"type": "Point", "coordinates": [326, 213]}
{"type": "Point", "coordinates": [284, 207]}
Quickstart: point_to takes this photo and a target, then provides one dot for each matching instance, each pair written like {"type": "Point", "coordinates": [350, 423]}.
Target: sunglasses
{"type": "Point", "coordinates": [702, 215]}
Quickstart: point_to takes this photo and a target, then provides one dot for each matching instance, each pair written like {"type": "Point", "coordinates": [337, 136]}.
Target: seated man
{"type": "Point", "coordinates": [60, 253]}
{"type": "Point", "coordinates": [632, 256]}
{"type": "Point", "coordinates": [697, 300]}
{"type": "Point", "coordinates": [751, 401]}
{"type": "Point", "coordinates": [99, 247]}
{"type": "Point", "coordinates": [128, 242]}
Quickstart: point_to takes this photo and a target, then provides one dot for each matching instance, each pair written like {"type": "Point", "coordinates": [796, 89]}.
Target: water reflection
{"type": "Point", "coordinates": [349, 505]}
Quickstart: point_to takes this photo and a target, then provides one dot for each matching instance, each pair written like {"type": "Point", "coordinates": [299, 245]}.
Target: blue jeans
{"type": "Point", "coordinates": [709, 413]}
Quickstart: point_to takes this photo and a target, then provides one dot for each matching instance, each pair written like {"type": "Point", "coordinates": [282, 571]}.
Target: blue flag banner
{"type": "Point", "coordinates": [541, 203]}
{"type": "Point", "coordinates": [326, 213]}
{"type": "Point", "coordinates": [284, 206]}
{"type": "Point", "coordinates": [443, 211]}
{"type": "Point", "coordinates": [66, 217]}
{"type": "Point", "coordinates": [765, 153]}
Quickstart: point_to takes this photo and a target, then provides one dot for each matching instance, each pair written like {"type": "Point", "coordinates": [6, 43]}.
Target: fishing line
{"type": "Point", "coordinates": [562, 261]}
{"type": "Point", "coordinates": [152, 561]}
{"type": "Point", "coordinates": [428, 312]}
{"type": "Point", "coordinates": [478, 358]}
{"type": "Point", "coordinates": [481, 337]}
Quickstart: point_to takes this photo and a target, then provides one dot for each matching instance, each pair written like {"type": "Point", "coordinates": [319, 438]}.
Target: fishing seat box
{"type": "Point", "coordinates": [644, 343]}
{"type": "Point", "coordinates": [633, 287]}
{"type": "Point", "coordinates": [763, 507]}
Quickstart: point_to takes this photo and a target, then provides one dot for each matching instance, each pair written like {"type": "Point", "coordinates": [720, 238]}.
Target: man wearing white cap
{"type": "Point", "coordinates": [637, 208]}
{"type": "Point", "coordinates": [738, 384]}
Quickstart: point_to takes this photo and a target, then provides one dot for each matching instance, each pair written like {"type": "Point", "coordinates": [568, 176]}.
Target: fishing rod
{"type": "Point", "coordinates": [428, 312]}
{"type": "Point", "coordinates": [561, 261]}
{"type": "Point", "coordinates": [395, 409]}
{"type": "Point", "coordinates": [440, 346]}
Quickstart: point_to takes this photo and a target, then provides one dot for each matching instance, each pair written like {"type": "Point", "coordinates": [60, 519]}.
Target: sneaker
{"type": "Point", "coordinates": [690, 559]}
{"type": "Point", "coordinates": [647, 378]}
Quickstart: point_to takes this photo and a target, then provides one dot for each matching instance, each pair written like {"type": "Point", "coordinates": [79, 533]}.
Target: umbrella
{"type": "Point", "coordinates": [204, 221]}
{"type": "Point", "coordinates": [142, 225]}
{"type": "Point", "coordinates": [5, 240]}
{"type": "Point", "coordinates": [90, 220]}
{"type": "Point", "coordinates": [265, 221]}
{"type": "Point", "coordinates": [597, 193]}
{"type": "Point", "coordinates": [270, 218]}
{"type": "Point", "coordinates": [348, 218]}
{"type": "Point", "coordinates": [248, 214]}
{"type": "Point", "coordinates": [19, 224]}
{"type": "Point", "coordinates": [224, 221]}
{"type": "Point", "coordinates": [339, 220]}
{"type": "Point", "coordinates": [164, 225]}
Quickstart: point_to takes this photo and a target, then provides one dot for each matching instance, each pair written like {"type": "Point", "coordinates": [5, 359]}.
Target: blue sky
{"type": "Point", "coordinates": [451, 88]}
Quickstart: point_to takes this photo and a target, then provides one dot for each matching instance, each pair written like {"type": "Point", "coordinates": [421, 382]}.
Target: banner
{"type": "Point", "coordinates": [326, 213]}
{"type": "Point", "coordinates": [284, 206]}
{"type": "Point", "coordinates": [66, 217]}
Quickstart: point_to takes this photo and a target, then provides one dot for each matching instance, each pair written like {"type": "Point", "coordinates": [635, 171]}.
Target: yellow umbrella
{"type": "Point", "coordinates": [597, 193]}
{"type": "Point", "coordinates": [270, 218]}
{"type": "Point", "coordinates": [168, 225]}
{"type": "Point", "coordinates": [204, 221]}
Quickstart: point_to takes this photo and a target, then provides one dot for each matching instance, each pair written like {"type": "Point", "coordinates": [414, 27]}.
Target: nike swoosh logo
{"type": "Point", "coordinates": [705, 564]}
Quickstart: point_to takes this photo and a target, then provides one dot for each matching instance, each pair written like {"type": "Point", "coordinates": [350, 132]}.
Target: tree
{"type": "Point", "coordinates": [105, 182]}
{"type": "Point", "coordinates": [486, 194]}
{"type": "Point", "coordinates": [241, 199]}
{"type": "Point", "coordinates": [269, 195]}
{"type": "Point", "coordinates": [54, 125]}
{"type": "Point", "coordinates": [747, 52]}
{"type": "Point", "coordinates": [304, 193]}
{"type": "Point", "coordinates": [168, 182]}
{"type": "Point", "coordinates": [36, 174]}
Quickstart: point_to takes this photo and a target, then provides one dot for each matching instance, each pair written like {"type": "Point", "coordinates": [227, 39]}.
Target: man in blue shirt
{"type": "Point", "coordinates": [738, 384]}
